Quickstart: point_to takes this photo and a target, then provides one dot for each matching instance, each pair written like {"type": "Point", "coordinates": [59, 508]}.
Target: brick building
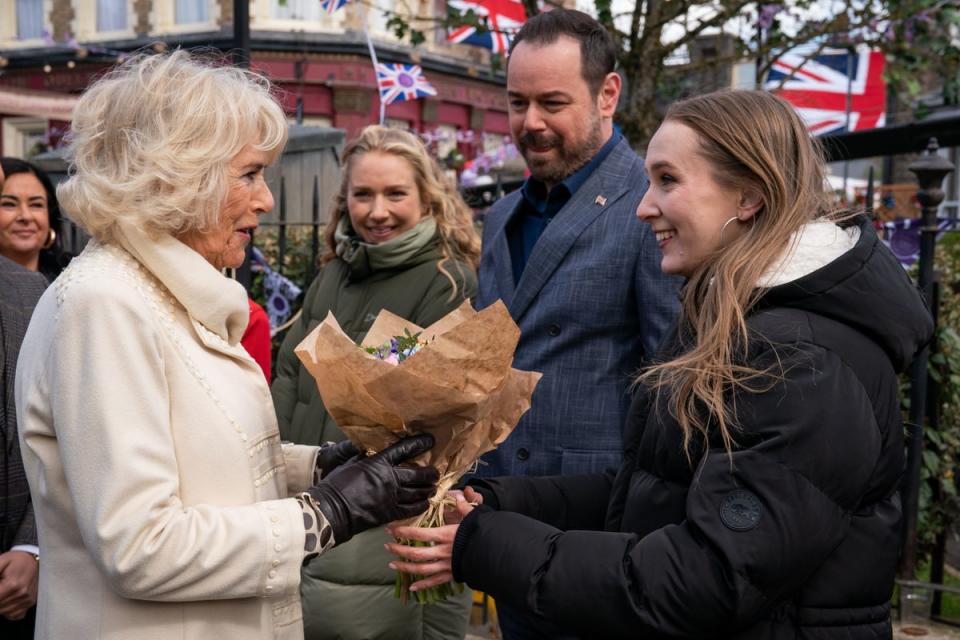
{"type": "Point", "coordinates": [51, 49]}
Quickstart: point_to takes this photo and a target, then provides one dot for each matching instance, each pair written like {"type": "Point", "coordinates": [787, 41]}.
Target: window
{"type": "Point", "coordinates": [377, 17]}
{"type": "Point", "coordinates": [447, 140]}
{"type": "Point", "coordinates": [184, 16]}
{"type": "Point", "coordinates": [296, 10]}
{"type": "Point", "coordinates": [112, 15]}
{"type": "Point", "coordinates": [103, 20]}
{"type": "Point", "coordinates": [192, 12]}
{"type": "Point", "coordinates": [297, 15]}
{"type": "Point", "coordinates": [24, 23]}
{"type": "Point", "coordinates": [22, 136]}
{"type": "Point", "coordinates": [29, 19]}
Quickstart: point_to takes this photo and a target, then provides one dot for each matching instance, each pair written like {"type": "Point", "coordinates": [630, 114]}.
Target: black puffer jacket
{"type": "Point", "coordinates": [795, 536]}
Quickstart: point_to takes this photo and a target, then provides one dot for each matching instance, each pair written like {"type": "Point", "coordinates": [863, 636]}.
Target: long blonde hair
{"type": "Point", "coordinates": [459, 240]}
{"type": "Point", "coordinates": [755, 141]}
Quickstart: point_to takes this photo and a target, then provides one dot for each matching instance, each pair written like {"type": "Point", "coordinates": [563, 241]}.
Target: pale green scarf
{"type": "Point", "coordinates": [364, 258]}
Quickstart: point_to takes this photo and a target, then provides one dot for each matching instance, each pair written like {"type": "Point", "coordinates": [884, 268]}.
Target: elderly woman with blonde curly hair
{"type": "Point", "coordinates": [165, 503]}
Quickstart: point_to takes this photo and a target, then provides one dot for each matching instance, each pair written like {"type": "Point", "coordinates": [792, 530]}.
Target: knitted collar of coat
{"type": "Point", "coordinates": [364, 258]}
{"type": "Point", "coordinates": [210, 298]}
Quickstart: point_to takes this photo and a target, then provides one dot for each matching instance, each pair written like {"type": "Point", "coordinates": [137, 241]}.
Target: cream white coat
{"type": "Point", "coordinates": [152, 451]}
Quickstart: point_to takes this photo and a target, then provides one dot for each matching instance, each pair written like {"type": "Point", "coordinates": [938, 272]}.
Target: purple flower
{"type": "Point", "coordinates": [766, 14]}
{"type": "Point", "coordinates": [483, 163]}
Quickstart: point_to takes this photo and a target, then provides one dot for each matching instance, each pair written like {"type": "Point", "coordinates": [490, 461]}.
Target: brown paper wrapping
{"type": "Point", "coordinates": [460, 387]}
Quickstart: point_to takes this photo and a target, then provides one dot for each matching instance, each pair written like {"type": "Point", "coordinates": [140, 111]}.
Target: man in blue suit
{"type": "Point", "coordinates": [578, 272]}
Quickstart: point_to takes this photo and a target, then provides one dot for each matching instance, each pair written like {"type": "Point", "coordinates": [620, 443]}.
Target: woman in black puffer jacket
{"type": "Point", "coordinates": [763, 454]}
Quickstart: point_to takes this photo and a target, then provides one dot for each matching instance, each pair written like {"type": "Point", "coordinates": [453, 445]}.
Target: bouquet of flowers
{"type": "Point", "coordinates": [398, 349]}
{"type": "Point", "coordinates": [453, 380]}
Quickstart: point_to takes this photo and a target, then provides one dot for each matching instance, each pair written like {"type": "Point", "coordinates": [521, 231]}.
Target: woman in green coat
{"type": "Point", "coordinates": [400, 238]}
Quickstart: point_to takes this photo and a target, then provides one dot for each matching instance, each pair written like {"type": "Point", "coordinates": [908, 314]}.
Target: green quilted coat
{"type": "Point", "coordinates": [348, 592]}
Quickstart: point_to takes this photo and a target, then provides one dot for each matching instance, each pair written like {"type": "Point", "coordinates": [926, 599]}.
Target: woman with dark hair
{"type": "Point", "coordinates": [19, 554]}
{"type": "Point", "coordinates": [30, 219]}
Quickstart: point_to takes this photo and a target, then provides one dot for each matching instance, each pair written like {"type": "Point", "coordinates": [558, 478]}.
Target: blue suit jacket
{"type": "Point", "coordinates": [591, 304]}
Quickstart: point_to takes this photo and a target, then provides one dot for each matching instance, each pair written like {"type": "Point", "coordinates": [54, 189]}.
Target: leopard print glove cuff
{"type": "Point", "coordinates": [319, 533]}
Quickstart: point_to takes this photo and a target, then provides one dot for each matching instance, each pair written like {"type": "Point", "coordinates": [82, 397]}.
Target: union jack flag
{"type": "Point", "coordinates": [399, 82]}
{"type": "Point", "coordinates": [818, 88]}
{"type": "Point", "coordinates": [503, 19]}
{"type": "Point", "coordinates": [331, 6]}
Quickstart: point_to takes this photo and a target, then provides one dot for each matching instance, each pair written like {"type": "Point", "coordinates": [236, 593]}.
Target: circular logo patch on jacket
{"type": "Point", "coordinates": [741, 510]}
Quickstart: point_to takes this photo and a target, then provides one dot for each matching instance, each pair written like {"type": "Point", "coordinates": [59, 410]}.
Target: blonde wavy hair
{"type": "Point", "coordinates": [152, 139]}
{"type": "Point", "coordinates": [459, 240]}
{"type": "Point", "coordinates": [754, 141]}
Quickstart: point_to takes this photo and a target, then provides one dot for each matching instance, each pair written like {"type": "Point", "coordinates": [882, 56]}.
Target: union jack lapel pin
{"type": "Point", "coordinates": [600, 201]}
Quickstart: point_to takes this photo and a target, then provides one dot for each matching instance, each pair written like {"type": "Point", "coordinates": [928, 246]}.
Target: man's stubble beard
{"type": "Point", "coordinates": [570, 159]}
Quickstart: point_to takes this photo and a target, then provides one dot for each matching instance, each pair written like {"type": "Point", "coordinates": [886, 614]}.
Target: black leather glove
{"type": "Point", "coordinates": [332, 456]}
{"type": "Point", "coordinates": [373, 491]}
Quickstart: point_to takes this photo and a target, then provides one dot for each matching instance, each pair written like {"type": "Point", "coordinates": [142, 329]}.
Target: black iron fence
{"type": "Point", "coordinates": [282, 226]}
{"type": "Point", "coordinates": [930, 170]}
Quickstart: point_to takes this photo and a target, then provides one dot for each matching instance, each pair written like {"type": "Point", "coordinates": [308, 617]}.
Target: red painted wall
{"type": "Point", "coordinates": [457, 95]}
{"type": "Point", "coordinates": [496, 122]}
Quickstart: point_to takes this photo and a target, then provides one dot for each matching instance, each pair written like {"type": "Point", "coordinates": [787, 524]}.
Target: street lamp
{"type": "Point", "coordinates": [930, 170]}
{"type": "Point", "coordinates": [241, 33]}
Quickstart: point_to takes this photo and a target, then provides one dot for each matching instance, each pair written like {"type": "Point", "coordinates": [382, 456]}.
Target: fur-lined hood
{"type": "Point", "coordinates": [847, 274]}
{"type": "Point", "coordinates": [814, 246]}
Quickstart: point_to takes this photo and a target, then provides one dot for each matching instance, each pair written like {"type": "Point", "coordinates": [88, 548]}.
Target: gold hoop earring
{"type": "Point", "coordinates": [50, 240]}
{"type": "Point", "coordinates": [725, 225]}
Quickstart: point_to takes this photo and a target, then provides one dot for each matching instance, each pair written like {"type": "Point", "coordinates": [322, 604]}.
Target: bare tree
{"type": "Point", "coordinates": [654, 34]}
